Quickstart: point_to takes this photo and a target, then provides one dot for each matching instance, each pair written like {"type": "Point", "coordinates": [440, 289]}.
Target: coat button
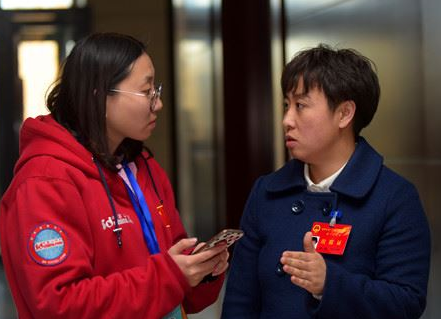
{"type": "Point", "coordinates": [279, 270]}
{"type": "Point", "coordinates": [326, 208]}
{"type": "Point", "coordinates": [297, 207]}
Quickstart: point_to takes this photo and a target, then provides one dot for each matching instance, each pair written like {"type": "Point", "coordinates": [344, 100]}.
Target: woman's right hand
{"type": "Point", "coordinates": [196, 267]}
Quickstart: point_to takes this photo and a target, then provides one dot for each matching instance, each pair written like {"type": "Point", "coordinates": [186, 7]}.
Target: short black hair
{"type": "Point", "coordinates": [96, 64]}
{"type": "Point", "coordinates": [342, 74]}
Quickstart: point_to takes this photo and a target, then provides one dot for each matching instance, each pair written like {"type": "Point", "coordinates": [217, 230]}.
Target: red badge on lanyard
{"type": "Point", "coordinates": [330, 239]}
{"type": "Point", "coordinates": [163, 214]}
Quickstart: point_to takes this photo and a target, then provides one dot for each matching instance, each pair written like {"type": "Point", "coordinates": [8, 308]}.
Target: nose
{"type": "Point", "coordinates": [158, 104]}
{"type": "Point", "coordinates": [288, 121]}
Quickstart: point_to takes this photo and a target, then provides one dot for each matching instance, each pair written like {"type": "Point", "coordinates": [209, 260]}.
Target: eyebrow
{"type": "Point", "coordinates": [300, 96]}
{"type": "Point", "coordinates": [148, 79]}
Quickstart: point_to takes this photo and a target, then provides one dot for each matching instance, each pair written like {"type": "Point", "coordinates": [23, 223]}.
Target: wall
{"type": "Point", "coordinates": [431, 63]}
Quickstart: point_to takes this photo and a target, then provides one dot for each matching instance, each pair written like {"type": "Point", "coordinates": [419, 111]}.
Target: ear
{"type": "Point", "coordinates": [346, 113]}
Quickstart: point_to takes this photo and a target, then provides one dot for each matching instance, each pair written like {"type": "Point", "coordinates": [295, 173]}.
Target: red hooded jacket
{"type": "Point", "coordinates": [58, 246]}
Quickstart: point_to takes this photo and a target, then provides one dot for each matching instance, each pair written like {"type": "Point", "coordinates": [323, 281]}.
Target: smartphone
{"type": "Point", "coordinates": [227, 235]}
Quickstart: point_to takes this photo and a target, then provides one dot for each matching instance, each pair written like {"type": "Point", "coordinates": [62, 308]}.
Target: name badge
{"type": "Point", "coordinates": [330, 240]}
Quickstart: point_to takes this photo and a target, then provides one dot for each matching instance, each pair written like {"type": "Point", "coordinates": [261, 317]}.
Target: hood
{"type": "Point", "coordinates": [43, 136]}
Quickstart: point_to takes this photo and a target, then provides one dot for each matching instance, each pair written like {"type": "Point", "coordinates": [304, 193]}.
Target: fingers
{"type": "Point", "coordinates": [198, 246]}
{"type": "Point", "coordinates": [297, 272]}
{"type": "Point", "coordinates": [295, 263]}
{"type": "Point", "coordinates": [307, 268]}
{"type": "Point", "coordinates": [296, 267]}
{"type": "Point", "coordinates": [215, 265]}
{"type": "Point", "coordinates": [217, 261]}
{"type": "Point", "coordinates": [220, 269]}
{"type": "Point", "coordinates": [182, 245]}
{"type": "Point", "coordinates": [308, 271]}
{"type": "Point", "coordinates": [222, 265]}
{"type": "Point", "coordinates": [297, 255]}
{"type": "Point", "coordinates": [303, 283]}
{"type": "Point", "coordinates": [196, 267]}
{"type": "Point", "coordinates": [301, 275]}
{"type": "Point", "coordinates": [209, 253]}
{"type": "Point", "coordinates": [209, 266]}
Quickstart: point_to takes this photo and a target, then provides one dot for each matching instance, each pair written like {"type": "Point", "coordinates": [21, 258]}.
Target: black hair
{"type": "Point", "coordinates": [343, 75]}
{"type": "Point", "coordinates": [96, 64]}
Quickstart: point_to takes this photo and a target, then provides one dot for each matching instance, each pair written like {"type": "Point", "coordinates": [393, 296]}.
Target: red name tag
{"type": "Point", "coordinates": [330, 240]}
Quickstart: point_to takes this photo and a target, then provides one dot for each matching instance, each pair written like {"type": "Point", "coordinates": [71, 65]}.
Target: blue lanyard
{"type": "Point", "coordinates": [142, 210]}
{"type": "Point", "coordinates": [145, 218]}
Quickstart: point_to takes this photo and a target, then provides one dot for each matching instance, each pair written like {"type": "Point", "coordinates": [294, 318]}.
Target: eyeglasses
{"type": "Point", "coordinates": [154, 95]}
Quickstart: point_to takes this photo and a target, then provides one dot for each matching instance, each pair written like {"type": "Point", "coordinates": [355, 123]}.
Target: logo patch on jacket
{"type": "Point", "coordinates": [48, 244]}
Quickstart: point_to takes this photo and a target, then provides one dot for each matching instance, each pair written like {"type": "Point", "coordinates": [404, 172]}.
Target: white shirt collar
{"type": "Point", "coordinates": [325, 184]}
{"type": "Point", "coordinates": [123, 175]}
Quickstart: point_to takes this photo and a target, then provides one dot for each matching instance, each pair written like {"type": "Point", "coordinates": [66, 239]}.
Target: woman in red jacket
{"type": "Point", "coordinates": [89, 227]}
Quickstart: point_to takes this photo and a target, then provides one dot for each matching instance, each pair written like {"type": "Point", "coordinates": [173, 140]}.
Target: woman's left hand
{"type": "Point", "coordinates": [306, 268]}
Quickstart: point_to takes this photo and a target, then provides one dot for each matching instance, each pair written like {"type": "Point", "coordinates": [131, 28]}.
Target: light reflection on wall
{"type": "Point", "coordinates": [197, 56]}
{"type": "Point", "coordinates": [35, 4]}
{"type": "Point", "coordinates": [195, 125]}
{"type": "Point", "coordinates": [195, 109]}
{"type": "Point", "coordinates": [204, 4]}
{"type": "Point", "coordinates": [38, 67]}
{"type": "Point", "coordinates": [296, 43]}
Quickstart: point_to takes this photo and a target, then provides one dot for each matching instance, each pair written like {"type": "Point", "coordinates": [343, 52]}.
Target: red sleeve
{"type": "Point", "coordinates": [69, 289]}
{"type": "Point", "coordinates": [204, 294]}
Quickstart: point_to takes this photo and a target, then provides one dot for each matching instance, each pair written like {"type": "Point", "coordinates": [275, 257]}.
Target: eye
{"type": "Point", "coordinates": [285, 105]}
{"type": "Point", "coordinates": [299, 105]}
{"type": "Point", "coordinates": [147, 92]}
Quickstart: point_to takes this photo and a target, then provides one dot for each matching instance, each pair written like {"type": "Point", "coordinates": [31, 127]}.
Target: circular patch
{"type": "Point", "coordinates": [48, 244]}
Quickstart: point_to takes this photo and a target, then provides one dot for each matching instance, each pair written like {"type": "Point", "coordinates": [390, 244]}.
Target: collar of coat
{"type": "Point", "coordinates": [356, 179]}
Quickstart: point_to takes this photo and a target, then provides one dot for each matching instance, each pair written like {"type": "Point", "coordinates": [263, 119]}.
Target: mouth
{"type": "Point", "coordinates": [290, 142]}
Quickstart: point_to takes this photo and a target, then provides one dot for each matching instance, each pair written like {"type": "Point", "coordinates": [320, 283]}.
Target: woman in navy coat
{"type": "Point", "coordinates": [370, 255]}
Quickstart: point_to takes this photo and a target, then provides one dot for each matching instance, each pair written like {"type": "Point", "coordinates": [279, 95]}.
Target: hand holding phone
{"type": "Point", "coordinates": [229, 236]}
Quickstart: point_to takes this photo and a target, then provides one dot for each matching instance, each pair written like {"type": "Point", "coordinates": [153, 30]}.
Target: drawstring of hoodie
{"type": "Point", "coordinates": [117, 230]}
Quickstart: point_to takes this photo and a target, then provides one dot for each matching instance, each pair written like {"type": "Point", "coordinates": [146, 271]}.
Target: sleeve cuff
{"type": "Point", "coordinates": [318, 297]}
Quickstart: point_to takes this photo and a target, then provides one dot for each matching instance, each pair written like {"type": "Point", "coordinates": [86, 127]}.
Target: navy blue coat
{"type": "Point", "coordinates": [384, 270]}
